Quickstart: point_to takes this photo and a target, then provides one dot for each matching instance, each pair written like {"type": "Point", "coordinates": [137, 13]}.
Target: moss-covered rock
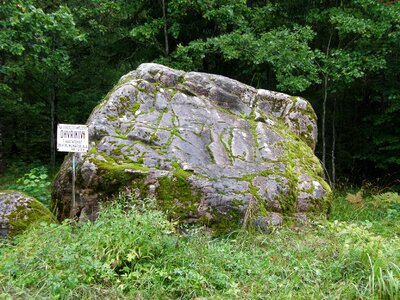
{"type": "Point", "coordinates": [19, 211]}
{"type": "Point", "coordinates": [209, 148]}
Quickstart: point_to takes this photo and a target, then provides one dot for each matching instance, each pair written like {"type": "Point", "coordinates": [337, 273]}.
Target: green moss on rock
{"type": "Point", "coordinates": [227, 223]}
{"type": "Point", "coordinates": [115, 174]}
{"type": "Point", "coordinates": [135, 107]}
{"type": "Point", "coordinates": [26, 212]}
{"type": "Point", "coordinates": [176, 195]}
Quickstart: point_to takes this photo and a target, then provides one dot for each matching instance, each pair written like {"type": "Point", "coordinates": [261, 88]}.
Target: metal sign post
{"type": "Point", "coordinates": [73, 182]}
{"type": "Point", "coordinates": [72, 138]}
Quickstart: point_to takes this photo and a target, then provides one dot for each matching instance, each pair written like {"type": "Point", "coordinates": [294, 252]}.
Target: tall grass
{"type": "Point", "coordinates": [132, 251]}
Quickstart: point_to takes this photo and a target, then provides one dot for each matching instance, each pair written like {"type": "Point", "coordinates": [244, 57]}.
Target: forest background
{"type": "Point", "coordinates": [59, 58]}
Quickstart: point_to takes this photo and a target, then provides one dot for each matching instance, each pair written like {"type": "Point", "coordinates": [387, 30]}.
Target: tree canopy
{"type": "Point", "coordinates": [58, 58]}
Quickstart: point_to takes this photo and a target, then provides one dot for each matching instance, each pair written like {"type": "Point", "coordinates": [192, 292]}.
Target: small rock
{"type": "Point", "coordinates": [19, 211]}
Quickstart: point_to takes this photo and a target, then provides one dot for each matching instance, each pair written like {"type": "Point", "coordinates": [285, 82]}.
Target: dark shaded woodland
{"type": "Point", "coordinates": [59, 58]}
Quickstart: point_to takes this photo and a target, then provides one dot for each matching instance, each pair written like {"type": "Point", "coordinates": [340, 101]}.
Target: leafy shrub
{"type": "Point", "coordinates": [36, 184]}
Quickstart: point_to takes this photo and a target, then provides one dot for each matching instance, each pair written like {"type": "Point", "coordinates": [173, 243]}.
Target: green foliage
{"type": "Point", "coordinates": [35, 183]}
{"type": "Point", "coordinates": [119, 244]}
{"type": "Point", "coordinates": [243, 35]}
{"type": "Point", "coordinates": [380, 212]}
{"type": "Point", "coordinates": [34, 46]}
{"type": "Point", "coordinates": [386, 199]}
{"type": "Point", "coordinates": [366, 228]}
{"type": "Point", "coordinates": [14, 171]}
{"type": "Point", "coordinates": [132, 251]}
{"type": "Point", "coordinates": [34, 42]}
{"type": "Point", "coordinates": [51, 55]}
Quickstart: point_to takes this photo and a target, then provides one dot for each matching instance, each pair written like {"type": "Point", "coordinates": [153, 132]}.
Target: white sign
{"type": "Point", "coordinates": [72, 138]}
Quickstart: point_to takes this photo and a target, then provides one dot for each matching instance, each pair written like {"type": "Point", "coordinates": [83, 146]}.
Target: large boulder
{"type": "Point", "coordinates": [207, 147]}
{"type": "Point", "coordinates": [19, 211]}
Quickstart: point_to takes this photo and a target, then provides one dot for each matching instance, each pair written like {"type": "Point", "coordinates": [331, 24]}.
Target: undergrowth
{"type": "Point", "coordinates": [132, 251]}
{"type": "Point", "coordinates": [380, 213]}
{"type": "Point", "coordinates": [32, 179]}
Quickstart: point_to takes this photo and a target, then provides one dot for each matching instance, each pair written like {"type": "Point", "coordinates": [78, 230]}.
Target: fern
{"type": "Point", "coordinates": [386, 199]}
{"type": "Point", "coordinates": [356, 199]}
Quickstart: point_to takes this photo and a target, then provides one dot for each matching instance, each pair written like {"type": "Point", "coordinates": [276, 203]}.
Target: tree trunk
{"type": "Point", "coordinates": [326, 77]}
{"type": "Point", "coordinates": [52, 133]}
{"type": "Point", "coordinates": [333, 177]}
{"type": "Point", "coordinates": [165, 27]}
{"type": "Point", "coordinates": [1, 153]}
{"type": "Point", "coordinates": [324, 121]}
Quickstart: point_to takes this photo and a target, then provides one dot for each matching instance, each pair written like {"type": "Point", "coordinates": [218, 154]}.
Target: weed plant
{"type": "Point", "coordinates": [15, 170]}
{"type": "Point", "coordinates": [132, 251]}
{"type": "Point", "coordinates": [35, 183]}
{"type": "Point", "coordinates": [31, 179]}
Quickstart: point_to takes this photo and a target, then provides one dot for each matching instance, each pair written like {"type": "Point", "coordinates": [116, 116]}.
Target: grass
{"type": "Point", "coordinates": [132, 251]}
{"type": "Point", "coordinates": [379, 213]}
